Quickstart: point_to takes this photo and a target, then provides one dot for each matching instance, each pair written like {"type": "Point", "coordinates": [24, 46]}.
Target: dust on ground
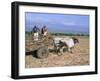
{"type": "Point", "coordinates": [80, 56]}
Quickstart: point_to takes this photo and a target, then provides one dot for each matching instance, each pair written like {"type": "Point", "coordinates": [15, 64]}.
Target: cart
{"type": "Point", "coordinates": [40, 48]}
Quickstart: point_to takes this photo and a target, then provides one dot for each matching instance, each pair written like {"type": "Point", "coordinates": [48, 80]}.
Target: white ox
{"type": "Point", "coordinates": [61, 43]}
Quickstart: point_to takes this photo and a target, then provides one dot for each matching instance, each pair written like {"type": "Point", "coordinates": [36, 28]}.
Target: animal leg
{"type": "Point", "coordinates": [70, 50]}
{"type": "Point", "coordinates": [60, 51]}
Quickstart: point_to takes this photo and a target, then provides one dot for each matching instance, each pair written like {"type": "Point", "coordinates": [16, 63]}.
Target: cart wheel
{"type": "Point", "coordinates": [42, 52]}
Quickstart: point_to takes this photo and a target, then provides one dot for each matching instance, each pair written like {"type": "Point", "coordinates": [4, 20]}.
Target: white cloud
{"type": "Point", "coordinates": [68, 23]}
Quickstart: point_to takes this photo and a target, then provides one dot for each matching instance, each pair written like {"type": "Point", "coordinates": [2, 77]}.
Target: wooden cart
{"type": "Point", "coordinates": [40, 48]}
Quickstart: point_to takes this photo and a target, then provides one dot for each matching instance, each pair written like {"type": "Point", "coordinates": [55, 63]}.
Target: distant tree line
{"type": "Point", "coordinates": [28, 32]}
{"type": "Point", "coordinates": [63, 34]}
{"type": "Point", "coordinates": [69, 34]}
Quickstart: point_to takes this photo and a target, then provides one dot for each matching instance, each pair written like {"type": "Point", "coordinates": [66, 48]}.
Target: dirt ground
{"type": "Point", "coordinates": [80, 56]}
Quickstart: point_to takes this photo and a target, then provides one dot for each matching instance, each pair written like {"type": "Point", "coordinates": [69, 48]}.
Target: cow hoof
{"type": "Point", "coordinates": [59, 54]}
{"type": "Point", "coordinates": [71, 52]}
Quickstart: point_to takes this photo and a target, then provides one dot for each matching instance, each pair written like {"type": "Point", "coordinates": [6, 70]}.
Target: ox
{"type": "Point", "coordinates": [61, 43]}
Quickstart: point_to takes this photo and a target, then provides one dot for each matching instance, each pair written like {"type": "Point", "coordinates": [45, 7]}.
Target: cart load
{"type": "Point", "coordinates": [40, 47]}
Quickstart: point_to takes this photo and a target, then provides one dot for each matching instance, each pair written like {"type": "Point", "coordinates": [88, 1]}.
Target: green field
{"type": "Point", "coordinates": [28, 35]}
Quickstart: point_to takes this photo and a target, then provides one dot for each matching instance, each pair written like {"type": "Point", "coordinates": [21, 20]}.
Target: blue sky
{"type": "Point", "coordinates": [57, 22]}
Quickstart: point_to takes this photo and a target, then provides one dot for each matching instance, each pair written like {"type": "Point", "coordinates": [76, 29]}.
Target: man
{"type": "Point", "coordinates": [35, 33]}
{"type": "Point", "coordinates": [44, 31]}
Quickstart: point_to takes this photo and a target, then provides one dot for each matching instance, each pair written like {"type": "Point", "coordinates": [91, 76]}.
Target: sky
{"type": "Point", "coordinates": [57, 22]}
